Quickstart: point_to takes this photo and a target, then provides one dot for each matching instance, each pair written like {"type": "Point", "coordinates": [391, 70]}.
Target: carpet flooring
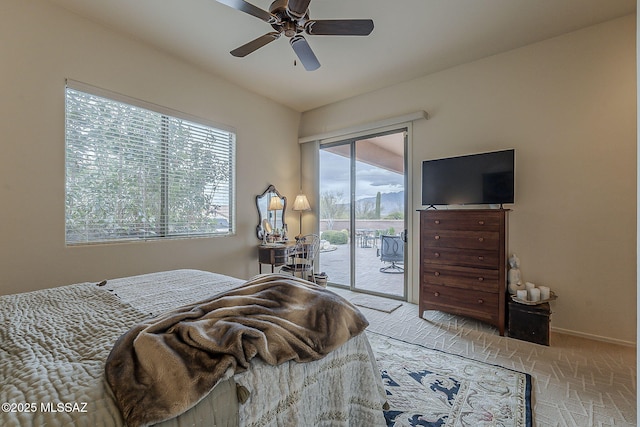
{"type": "Point", "coordinates": [575, 381]}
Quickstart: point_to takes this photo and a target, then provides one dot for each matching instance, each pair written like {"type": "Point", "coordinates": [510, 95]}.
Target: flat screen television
{"type": "Point", "coordinates": [476, 179]}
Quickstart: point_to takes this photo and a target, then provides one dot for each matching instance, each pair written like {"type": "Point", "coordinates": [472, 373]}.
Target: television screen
{"type": "Point", "coordinates": [486, 178]}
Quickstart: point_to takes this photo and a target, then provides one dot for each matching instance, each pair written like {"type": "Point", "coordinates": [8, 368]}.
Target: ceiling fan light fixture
{"type": "Point", "coordinates": [290, 29]}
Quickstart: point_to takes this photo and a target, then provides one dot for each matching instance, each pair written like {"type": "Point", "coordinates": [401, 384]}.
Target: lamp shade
{"type": "Point", "coordinates": [301, 203]}
{"type": "Point", "coordinates": [275, 204]}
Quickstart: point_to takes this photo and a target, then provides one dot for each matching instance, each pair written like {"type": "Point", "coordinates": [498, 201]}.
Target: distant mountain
{"type": "Point", "coordinates": [389, 202]}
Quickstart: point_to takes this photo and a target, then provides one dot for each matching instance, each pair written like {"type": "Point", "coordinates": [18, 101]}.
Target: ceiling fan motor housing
{"type": "Point", "coordinates": [289, 24]}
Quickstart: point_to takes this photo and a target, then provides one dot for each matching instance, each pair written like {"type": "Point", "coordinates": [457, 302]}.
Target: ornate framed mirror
{"type": "Point", "coordinates": [272, 208]}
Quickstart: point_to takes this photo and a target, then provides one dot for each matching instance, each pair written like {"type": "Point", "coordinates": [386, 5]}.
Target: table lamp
{"type": "Point", "coordinates": [301, 204]}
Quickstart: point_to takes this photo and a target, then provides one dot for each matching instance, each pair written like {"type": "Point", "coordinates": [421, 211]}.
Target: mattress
{"type": "Point", "coordinates": [54, 343]}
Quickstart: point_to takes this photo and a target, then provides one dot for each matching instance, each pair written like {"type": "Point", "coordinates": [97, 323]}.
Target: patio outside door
{"type": "Point", "coordinates": [362, 213]}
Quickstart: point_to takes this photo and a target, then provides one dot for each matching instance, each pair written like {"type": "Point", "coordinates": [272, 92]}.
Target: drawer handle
{"type": "Point", "coordinates": [437, 221]}
{"type": "Point", "coordinates": [436, 294]}
{"type": "Point", "coordinates": [480, 279]}
{"type": "Point", "coordinates": [480, 239]}
{"type": "Point", "coordinates": [436, 237]}
{"type": "Point", "coordinates": [481, 222]}
{"type": "Point", "coordinates": [436, 254]}
{"type": "Point", "coordinates": [480, 301]}
{"type": "Point", "coordinates": [481, 258]}
{"type": "Point", "coordinates": [437, 273]}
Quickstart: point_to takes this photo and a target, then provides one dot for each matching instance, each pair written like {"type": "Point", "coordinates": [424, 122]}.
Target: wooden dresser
{"type": "Point", "coordinates": [463, 262]}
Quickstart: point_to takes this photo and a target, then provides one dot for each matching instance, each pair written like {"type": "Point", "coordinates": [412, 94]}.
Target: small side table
{"type": "Point", "coordinates": [529, 322]}
{"type": "Point", "coordinates": [275, 254]}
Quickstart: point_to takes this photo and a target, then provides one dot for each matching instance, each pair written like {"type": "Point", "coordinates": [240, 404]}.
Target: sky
{"type": "Point", "coordinates": [334, 177]}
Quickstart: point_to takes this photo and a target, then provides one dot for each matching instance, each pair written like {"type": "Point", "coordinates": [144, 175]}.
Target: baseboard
{"type": "Point", "coordinates": [594, 337]}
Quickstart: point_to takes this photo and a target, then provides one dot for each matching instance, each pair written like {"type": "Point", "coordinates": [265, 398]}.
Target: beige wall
{"type": "Point", "coordinates": [567, 105]}
{"type": "Point", "coordinates": [41, 46]}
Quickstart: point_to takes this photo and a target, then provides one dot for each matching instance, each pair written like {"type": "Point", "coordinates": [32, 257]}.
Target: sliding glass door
{"type": "Point", "coordinates": [362, 213]}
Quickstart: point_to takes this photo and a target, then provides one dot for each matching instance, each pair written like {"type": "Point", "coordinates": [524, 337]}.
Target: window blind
{"type": "Point", "coordinates": [136, 173]}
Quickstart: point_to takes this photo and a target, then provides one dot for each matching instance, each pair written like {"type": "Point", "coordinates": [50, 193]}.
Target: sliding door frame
{"type": "Point", "coordinates": [406, 130]}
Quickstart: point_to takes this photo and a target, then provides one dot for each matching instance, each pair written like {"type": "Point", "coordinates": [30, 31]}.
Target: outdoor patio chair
{"type": "Point", "coordinates": [392, 250]}
{"type": "Point", "coordinates": [302, 257]}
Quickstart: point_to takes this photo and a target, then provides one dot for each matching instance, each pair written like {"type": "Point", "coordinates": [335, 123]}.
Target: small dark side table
{"type": "Point", "coordinates": [529, 322]}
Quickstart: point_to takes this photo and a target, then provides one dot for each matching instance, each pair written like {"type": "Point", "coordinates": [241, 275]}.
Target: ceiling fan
{"type": "Point", "coordinates": [291, 18]}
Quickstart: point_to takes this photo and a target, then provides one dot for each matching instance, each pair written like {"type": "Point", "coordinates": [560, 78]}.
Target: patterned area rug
{"type": "Point", "coordinates": [427, 387]}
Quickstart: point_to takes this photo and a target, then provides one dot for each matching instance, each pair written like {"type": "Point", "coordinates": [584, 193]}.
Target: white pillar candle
{"type": "Point", "coordinates": [545, 292]}
{"type": "Point", "coordinates": [522, 294]}
{"type": "Point", "coordinates": [534, 294]}
{"type": "Point", "coordinates": [528, 286]}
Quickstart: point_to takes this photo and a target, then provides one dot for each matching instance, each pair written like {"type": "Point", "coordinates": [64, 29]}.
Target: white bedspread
{"type": "Point", "coordinates": [343, 389]}
{"type": "Point", "coordinates": [54, 342]}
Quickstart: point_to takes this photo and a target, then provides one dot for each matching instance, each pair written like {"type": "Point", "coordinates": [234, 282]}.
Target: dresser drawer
{"type": "Point", "coordinates": [477, 304]}
{"type": "Point", "coordinates": [480, 279]}
{"type": "Point", "coordinates": [462, 257]}
{"type": "Point", "coordinates": [485, 240]}
{"type": "Point", "coordinates": [461, 220]}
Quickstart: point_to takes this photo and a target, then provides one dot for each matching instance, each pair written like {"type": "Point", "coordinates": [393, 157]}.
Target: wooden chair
{"type": "Point", "coordinates": [302, 257]}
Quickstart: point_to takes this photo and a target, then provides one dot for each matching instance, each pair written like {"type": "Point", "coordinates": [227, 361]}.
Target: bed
{"type": "Point", "coordinates": [54, 344]}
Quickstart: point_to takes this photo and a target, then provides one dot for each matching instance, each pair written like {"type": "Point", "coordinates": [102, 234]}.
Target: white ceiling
{"type": "Point", "coordinates": [411, 38]}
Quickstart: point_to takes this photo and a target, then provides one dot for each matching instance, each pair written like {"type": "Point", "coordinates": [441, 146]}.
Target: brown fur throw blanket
{"type": "Point", "coordinates": [166, 365]}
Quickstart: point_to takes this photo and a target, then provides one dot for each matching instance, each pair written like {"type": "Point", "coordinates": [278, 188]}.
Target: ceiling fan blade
{"type": "Point", "coordinates": [254, 45]}
{"type": "Point", "coordinates": [298, 8]}
{"type": "Point", "coordinates": [340, 27]}
{"type": "Point", "coordinates": [245, 7]}
{"type": "Point", "coordinates": [304, 52]}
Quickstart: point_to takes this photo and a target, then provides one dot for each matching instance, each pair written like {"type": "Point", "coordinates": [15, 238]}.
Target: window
{"type": "Point", "coordinates": [139, 171]}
